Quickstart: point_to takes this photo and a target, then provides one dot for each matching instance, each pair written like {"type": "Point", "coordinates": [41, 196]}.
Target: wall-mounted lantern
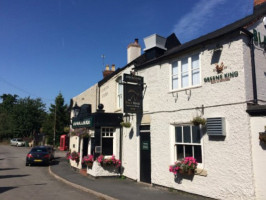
{"type": "Point", "coordinates": [76, 110]}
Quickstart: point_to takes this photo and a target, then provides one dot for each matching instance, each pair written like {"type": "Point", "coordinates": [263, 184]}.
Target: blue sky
{"type": "Point", "coordinates": [52, 46]}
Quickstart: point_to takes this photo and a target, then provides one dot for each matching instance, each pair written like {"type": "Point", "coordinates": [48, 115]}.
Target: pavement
{"type": "Point", "coordinates": [112, 188]}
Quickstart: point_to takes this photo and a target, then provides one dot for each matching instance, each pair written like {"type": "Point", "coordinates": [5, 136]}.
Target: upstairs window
{"type": "Point", "coordinates": [119, 93]}
{"type": "Point", "coordinates": [186, 72]}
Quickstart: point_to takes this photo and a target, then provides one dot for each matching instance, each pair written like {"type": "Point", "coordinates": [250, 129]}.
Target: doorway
{"type": "Point", "coordinates": [145, 154]}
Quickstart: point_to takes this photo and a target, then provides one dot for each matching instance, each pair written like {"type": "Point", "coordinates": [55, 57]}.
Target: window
{"type": "Point", "coordinates": [119, 93]}
{"type": "Point", "coordinates": [186, 72]}
{"type": "Point", "coordinates": [107, 141]}
{"type": "Point", "coordinates": [188, 142]}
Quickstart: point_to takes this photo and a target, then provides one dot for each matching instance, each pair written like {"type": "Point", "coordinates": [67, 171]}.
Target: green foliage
{"type": "Point", "coordinates": [23, 117]}
{"type": "Point", "coordinates": [57, 119]}
{"type": "Point", "coordinates": [20, 117]}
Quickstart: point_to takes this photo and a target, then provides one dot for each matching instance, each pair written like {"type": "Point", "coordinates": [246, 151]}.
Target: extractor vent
{"type": "Point", "coordinates": [216, 126]}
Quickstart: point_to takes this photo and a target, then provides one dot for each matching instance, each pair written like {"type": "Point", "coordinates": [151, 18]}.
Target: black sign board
{"type": "Point", "coordinates": [133, 78]}
{"type": "Point", "coordinates": [132, 98]}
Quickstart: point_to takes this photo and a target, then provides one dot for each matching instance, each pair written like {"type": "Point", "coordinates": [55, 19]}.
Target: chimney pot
{"type": "Point", "coordinates": [107, 68]}
{"type": "Point", "coordinates": [113, 67]}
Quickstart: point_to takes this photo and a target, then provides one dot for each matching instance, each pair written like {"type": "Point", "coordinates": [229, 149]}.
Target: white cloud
{"type": "Point", "coordinates": [191, 23]}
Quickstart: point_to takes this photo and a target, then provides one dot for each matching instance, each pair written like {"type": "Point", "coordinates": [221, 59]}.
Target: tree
{"type": "Point", "coordinates": [20, 117]}
{"type": "Point", "coordinates": [29, 114]}
{"type": "Point", "coordinates": [57, 120]}
{"type": "Point", "coordinates": [7, 125]}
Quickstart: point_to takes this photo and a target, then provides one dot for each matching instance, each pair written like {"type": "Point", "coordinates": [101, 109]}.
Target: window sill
{"type": "Point", "coordinates": [201, 172]}
{"type": "Point", "coordinates": [184, 89]}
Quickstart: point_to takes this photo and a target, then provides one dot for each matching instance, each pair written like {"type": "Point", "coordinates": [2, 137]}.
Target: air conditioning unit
{"type": "Point", "coordinates": [216, 126]}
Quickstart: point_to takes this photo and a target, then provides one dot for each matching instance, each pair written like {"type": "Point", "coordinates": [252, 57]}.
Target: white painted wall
{"type": "Point", "coordinates": [260, 61]}
{"type": "Point", "coordinates": [257, 125]}
{"type": "Point", "coordinates": [227, 161]}
{"type": "Point", "coordinates": [74, 146]}
{"type": "Point", "coordinates": [130, 158]}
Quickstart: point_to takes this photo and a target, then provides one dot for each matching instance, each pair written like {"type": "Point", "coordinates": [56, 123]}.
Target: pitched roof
{"type": "Point", "coordinates": [259, 11]}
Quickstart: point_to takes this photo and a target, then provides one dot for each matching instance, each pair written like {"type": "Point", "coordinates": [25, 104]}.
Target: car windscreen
{"type": "Point", "coordinates": [19, 140]}
{"type": "Point", "coordinates": [39, 150]}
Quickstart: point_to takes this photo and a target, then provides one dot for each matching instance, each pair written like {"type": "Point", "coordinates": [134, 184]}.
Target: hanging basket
{"type": "Point", "coordinates": [198, 121]}
{"type": "Point", "coordinates": [125, 124]}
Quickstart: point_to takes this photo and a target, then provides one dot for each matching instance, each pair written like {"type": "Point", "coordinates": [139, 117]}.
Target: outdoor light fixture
{"type": "Point", "coordinates": [76, 110]}
{"type": "Point", "coordinates": [126, 117]}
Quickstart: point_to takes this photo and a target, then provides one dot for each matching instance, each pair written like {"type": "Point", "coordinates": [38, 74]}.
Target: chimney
{"type": "Point", "coordinates": [155, 46]}
{"type": "Point", "coordinates": [107, 70]}
{"type": "Point", "coordinates": [258, 2]}
{"type": "Point", "coordinates": [133, 51]}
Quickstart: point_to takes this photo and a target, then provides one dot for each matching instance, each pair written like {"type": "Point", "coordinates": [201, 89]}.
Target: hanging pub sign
{"type": "Point", "coordinates": [133, 79]}
{"type": "Point", "coordinates": [133, 93]}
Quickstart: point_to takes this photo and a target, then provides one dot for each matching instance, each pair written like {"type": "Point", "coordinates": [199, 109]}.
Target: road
{"type": "Point", "coordinates": [20, 182]}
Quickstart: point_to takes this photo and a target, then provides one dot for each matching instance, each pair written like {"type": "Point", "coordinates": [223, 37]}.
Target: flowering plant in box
{"type": "Point", "coordinates": [186, 165]}
{"type": "Point", "coordinates": [74, 156]}
{"type": "Point", "coordinates": [68, 155]}
{"type": "Point", "coordinates": [109, 161]}
{"type": "Point", "coordinates": [88, 160]}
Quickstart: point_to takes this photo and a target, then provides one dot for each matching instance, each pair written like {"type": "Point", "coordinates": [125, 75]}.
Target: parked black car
{"type": "Point", "coordinates": [51, 151]}
{"type": "Point", "coordinates": [38, 155]}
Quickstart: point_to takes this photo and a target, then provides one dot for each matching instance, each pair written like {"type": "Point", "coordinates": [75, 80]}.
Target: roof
{"type": "Point", "coordinates": [259, 11]}
{"type": "Point", "coordinates": [171, 41]}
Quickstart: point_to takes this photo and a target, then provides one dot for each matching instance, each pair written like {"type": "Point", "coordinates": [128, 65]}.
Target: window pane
{"type": "Point", "coordinates": [184, 80]}
{"type": "Point", "coordinates": [188, 151]}
{"type": "Point", "coordinates": [184, 65]}
{"type": "Point", "coordinates": [186, 133]}
{"type": "Point", "coordinates": [197, 153]}
{"type": "Point", "coordinates": [195, 78]}
{"type": "Point", "coordinates": [107, 146]}
{"type": "Point", "coordinates": [179, 152]}
{"type": "Point", "coordinates": [178, 134]}
{"type": "Point", "coordinates": [175, 83]}
{"type": "Point", "coordinates": [174, 68]}
{"type": "Point", "coordinates": [195, 134]}
{"type": "Point", "coordinates": [195, 62]}
{"type": "Point", "coordinates": [184, 71]}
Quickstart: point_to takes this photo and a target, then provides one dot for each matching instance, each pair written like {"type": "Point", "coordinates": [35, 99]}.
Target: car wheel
{"type": "Point", "coordinates": [27, 164]}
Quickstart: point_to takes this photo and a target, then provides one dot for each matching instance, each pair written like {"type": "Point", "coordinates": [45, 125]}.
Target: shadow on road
{"type": "Point", "coordinates": [4, 189]}
{"type": "Point", "coordinates": [3, 169]}
{"type": "Point", "coordinates": [12, 176]}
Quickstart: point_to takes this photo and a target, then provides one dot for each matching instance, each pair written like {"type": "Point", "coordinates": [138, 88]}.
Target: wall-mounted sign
{"type": "Point", "coordinates": [220, 77]}
{"type": "Point", "coordinates": [132, 98]}
{"type": "Point", "coordinates": [133, 78]}
{"type": "Point", "coordinates": [86, 122]}
{"type": "Point", "coordinates": [258, 38]}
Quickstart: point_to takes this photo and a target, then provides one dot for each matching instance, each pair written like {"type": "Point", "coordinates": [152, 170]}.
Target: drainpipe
{"type": "Point", "coordinates": [253, 66]}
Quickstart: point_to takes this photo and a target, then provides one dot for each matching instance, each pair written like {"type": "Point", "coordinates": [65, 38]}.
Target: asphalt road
{"type": "Point", "coordinates": [20, 182]}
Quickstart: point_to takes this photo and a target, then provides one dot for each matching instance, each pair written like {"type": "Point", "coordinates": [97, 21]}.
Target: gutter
{"type": "Point", "coordinates": [253, 66]}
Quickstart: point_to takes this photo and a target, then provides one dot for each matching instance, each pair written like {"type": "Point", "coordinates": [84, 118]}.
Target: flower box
{"type": "Point", "coordinates": [186, 166]}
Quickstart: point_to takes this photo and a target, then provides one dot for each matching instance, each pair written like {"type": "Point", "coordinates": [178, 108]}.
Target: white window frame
{"type": "Point", "coordinates": [107, 134]}
{"type": "Point", "coordinates": [119, 93]}
{"type": "Point", "coordinates": [186, 143]}
{"type": "Point", "coordinates": [180, 75]}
